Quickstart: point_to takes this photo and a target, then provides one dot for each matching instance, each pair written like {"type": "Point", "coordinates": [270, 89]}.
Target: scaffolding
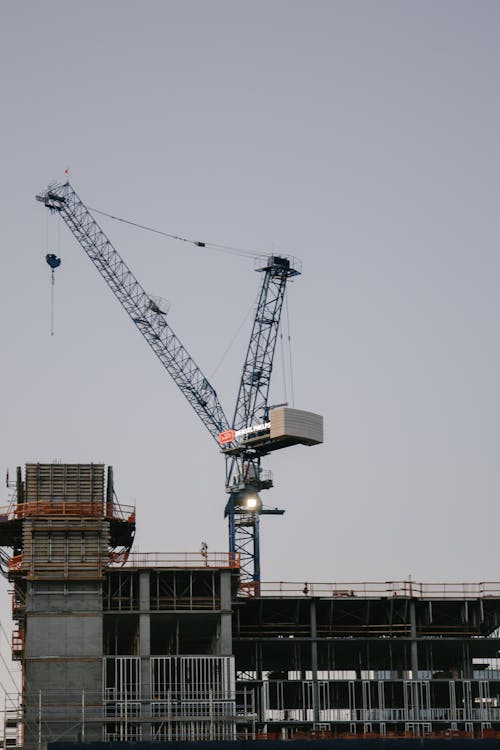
{"type": "Point", "coordinates": [185, 698]}
{"type": "Point", "coordinates": [175, 698]}
{"type": "Point", "coordinates": [62, 526]}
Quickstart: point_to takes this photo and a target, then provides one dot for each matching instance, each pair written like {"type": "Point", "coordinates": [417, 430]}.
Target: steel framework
{"type": "Point", "coordinates": [243, 469]}
{"type": "Point", "coordinates": [244, 475]}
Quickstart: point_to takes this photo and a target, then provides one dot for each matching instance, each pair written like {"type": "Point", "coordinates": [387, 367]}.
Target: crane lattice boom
{"type": "Point", "coordinates": [143, 311]}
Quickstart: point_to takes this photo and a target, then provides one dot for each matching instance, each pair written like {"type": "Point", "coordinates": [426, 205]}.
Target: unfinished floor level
{"type": "Point", "coordinates": [166, 646]}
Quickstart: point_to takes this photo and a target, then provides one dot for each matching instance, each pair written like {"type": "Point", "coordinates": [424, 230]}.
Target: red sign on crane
{"type": "Point", "coordinates": [226, 437]}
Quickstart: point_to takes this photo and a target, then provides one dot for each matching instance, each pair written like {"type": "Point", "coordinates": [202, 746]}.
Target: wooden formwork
{"type": "Point", "coordinates": [62, 548]}
{"type": "Point", "coordinates": [59, 482]}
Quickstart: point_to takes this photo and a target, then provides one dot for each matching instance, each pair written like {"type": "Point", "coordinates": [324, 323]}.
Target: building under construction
{"type": "Point", "coordinates": [121, 646]}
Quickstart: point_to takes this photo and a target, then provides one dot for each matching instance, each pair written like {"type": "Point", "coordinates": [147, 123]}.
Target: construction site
{"type": "Point", "coordinates": [156, 646]}
{"type": "Point", "coordinates": [116, 645]}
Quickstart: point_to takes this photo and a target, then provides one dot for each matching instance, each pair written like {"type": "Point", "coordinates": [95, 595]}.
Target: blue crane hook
{"type": "Point", "coordinates": [54, 262]}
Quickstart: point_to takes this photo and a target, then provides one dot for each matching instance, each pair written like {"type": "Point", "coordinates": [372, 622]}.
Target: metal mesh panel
{"type": "Point", "coordinates": [191, 698]}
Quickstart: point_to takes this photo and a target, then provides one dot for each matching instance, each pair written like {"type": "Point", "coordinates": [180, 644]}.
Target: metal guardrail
{"type": "Point", "coordinates": [64, 508]}
{"type": "Point", "coordinates": [179, 560]}
{"type": "Point", "coordinates": [120, 560]}
{"type": "Point", "coordinates": [370, 589]}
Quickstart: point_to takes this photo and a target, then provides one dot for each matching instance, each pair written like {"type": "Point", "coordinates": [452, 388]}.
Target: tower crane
{"type": "Point", "coordinates": [256, 429]}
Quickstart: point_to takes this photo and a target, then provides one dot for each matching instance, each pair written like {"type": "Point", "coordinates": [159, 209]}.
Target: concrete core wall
{"type": "Point", "coordinates": [63, 660]}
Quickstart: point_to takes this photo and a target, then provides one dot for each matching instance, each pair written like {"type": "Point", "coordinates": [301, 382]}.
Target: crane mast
{"type": "Point", "coordinates": [255, 381]}
{"type": "Point", "coordinates": [244, 475]}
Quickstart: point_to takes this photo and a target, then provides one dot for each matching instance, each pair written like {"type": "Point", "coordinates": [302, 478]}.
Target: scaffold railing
{"type": "Point", "coordinates": [200, 559]}
{"type": "Point", "coordinates": [128, 560]}
{"type": "Point", "coordinates": [71, 508]}
{"type": "Point", "coordinates": [49, 715]}
{"type": "Point", "coordinates": [370, 589]}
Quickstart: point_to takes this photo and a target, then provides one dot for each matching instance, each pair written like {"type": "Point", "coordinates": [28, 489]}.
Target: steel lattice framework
{"type": "Point", "coordinates": [143, 311]}
{"type": "Point", "coordinates": [243, 470]}
{"type": "Point", "coordinates": [252, 401]}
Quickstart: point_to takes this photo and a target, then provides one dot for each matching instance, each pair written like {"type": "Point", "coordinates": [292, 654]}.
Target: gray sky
{"type": "Point", "coordinates": [361, 137]}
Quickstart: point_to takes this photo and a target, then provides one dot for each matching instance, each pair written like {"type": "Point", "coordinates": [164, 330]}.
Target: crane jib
{"type": "Point", "coordinates": [136, 302]}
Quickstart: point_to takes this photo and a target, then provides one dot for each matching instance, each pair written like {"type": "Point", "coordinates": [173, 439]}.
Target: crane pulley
{"type": "Point", "coordinates": [255, 429]}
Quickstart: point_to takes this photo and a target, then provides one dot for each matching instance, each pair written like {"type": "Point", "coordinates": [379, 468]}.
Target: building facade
{"type": "Point", "coordinates": [122, 646]}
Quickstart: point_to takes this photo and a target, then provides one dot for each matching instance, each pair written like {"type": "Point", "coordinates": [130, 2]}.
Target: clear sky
{"type": "Point", "coordinates": [362, 137]}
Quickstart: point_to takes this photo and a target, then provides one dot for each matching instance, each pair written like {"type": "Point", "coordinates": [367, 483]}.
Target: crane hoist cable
{"type": "Point", "coordinates": [54, 262]}
{"type": "Point", "coordinates": [290, 358]}
{"type": "Point", "coordinates": [256, 254]}
{"type": "Point", "coordinates": [233, 338]}
{"type": "Point", "coordinates": [245, 253]}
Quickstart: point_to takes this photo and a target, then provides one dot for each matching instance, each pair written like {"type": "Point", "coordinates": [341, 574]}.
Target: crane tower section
{"type": "Point", "coordinates": [258, 366]}
{"type": "Point", "coordinates": [253, 434]}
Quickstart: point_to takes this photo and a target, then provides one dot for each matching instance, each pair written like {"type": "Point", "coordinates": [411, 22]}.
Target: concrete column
{"type": "Point", "coordinates": [314, 660]}
{"type": "Point", "coordinates": [225, 644]}
{"type": "Point", "coordinates": [63, 657]}
{"type": "Point", "coordinates": [413, 636]}
{"type": "Point", "coordinates": [468, 668]}
{"type": "Point", "coordinates": [145, 649]}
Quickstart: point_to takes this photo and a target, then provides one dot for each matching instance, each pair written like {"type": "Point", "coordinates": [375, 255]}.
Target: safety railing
{"type": "Point", "coordinates": [185, 560]}
{"type": "Point", "coordinates": [15, 563]}
{"type": "Point", "coordinates": [370, 589]}
{"type": "Point", "coordinates": [201, 559]}
{"type": "Point", "coordinates": [72, 508]}
{"type": "Point", "coordinates": [18, 602]}
{"type": "Point", "coordinates": [17, 644]}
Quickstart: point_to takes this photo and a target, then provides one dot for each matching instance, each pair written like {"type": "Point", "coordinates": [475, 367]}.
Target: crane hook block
{"type": "Point", "coordinates": [53, 260]}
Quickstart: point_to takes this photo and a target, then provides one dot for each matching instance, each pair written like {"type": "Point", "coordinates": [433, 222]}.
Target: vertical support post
{"type": "Point", "coordinates": [381, 707]}
{"type": "Point", "coordinates": [125, 723]}
{"type": "Point", "coordinates": [416, 684]}
{"type": "Point", "coordinates": [413, 636]}
{"type": "Point", "coordinates": [109, 492]}
{"type": "Point", "coordinates": [467, 662]}
{"type": "Point", "coordinates": [352, 708]}
{"type": "Point", "coordinates": [145, 651]}
{"type": "Point", "coordinates": [453, 704]}
{"type": "Point", "coordinates": [225, 644]}
{"type": "Point", "coordinates": [39, 720]}
{"type": "Point", "coordinates": [232, 531]}
{"type": "Point", "coordinates": [258, 660]}
{"type": "Point", "coordinates": [169, 716]}
{"type": "Point", "coordinates": [254, 715]}
{"type": "Point", "coordinates": [83, 715]}
{"type": "Point", "coordinates": [256, 553]}
{"type": "Point", "coordinates": [314, 660]}
{"type": "Point", "coordinates": [211, 714]}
